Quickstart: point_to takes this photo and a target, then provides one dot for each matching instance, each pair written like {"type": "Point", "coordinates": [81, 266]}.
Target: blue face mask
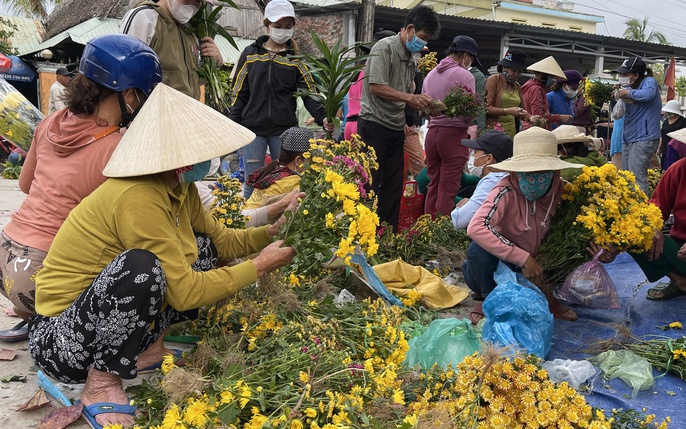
{"type": "Point", "coordinates": [198, 172]}
{"type": "Point", "coordinates": [535, 185]}
{"type": "Point", "coordinates": [508, 77]}
{"type": "Point", "coordinates": [415, 45]}
{"type": "Point", "coordinates": [549, 81]}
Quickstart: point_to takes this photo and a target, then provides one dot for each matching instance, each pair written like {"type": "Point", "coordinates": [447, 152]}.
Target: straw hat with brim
{"type": "Point", "coordinates": [678, 135]}
{"type": "Point", "coordinates": [673, 106]}
{"type": "Point", "coordinates": [173, 130]}
{"type": "Point", "coordinates": [571, 134]}
{"type": "Point", "coordinates": [534, 150]}
{"type": "Point", "coordinates": [548, 66]}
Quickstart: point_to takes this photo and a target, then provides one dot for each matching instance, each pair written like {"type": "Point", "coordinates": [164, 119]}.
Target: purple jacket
{"type": "Point", "coordinates": [440, 81]}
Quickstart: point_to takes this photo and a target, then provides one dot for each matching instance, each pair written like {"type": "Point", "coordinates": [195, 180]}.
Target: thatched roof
{"type": "Point", "coordinates": [72, 12]}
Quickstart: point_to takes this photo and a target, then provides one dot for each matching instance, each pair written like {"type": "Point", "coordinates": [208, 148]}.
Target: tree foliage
{"type": "Point", "coordinates": [30, 8]}
{"type": "Point", "coordinates": [638, 31]}
{"type": "Point", "coordinates": [7, 30]}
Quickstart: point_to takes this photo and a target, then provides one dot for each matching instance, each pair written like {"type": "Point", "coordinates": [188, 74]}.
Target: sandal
{"type": "Point", "coordinates": [178, 361]}
{"type": "Point", "coordinates": [16, 334]}
{"type": "Point", "coordinates": [667, 290]}
{"type": "Point", "coordinates": [93, 410]}
{"type": "Point", "coordinates": [559, 311]}
{"type": "Point", "coordinates": [477, 314]}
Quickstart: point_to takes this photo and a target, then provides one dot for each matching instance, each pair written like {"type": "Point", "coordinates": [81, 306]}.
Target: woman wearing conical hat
{"type": "Point", "coordinates": [140, 253]}
{"type": "Point", "coordinates": [534, 93]}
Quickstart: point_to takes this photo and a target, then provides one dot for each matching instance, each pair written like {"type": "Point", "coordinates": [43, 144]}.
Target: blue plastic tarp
{"type": "Point", "coordinates": [572, 340]}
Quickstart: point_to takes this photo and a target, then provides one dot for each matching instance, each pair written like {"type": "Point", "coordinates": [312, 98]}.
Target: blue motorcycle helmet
{"type": "Point", "coordinates": [120, 62]}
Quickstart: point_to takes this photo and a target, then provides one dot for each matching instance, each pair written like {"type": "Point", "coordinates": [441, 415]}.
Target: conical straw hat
{"type": "Point", "coordinates": [548, 65]}
{"type": "Point", "coordinates": [173, 130]}
{"type": "Point", "coordinates": [534, 150]}
{"type": "Point", "coordinates": [678, 135]}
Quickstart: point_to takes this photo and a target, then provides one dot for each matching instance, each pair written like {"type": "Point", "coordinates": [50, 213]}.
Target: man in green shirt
{"type": "Point", "coordinates": [387, 89]}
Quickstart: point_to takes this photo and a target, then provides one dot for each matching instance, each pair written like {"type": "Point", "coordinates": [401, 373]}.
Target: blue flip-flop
{"type": "Point", "coordinates": [93, 410]}
{"type": "Point", "coordinates": [177, 353]}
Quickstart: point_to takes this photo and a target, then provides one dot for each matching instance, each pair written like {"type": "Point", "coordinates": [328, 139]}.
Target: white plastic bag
{"type": "Point", "coordinates": [573, 372]}
{"type": "Point", "coordinates": [618, 110]}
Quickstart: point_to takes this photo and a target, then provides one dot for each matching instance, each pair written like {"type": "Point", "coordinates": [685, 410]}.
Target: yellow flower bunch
{"type": "Point", "coordinates": [228, 202]}
{"type": "Point", "coordinates": [596, 92]}
{"type": "Point", "coordinates": [427, 63]}
{"type": "Point", "coordinates": [18, 117]}
{"type": "Point", "coordinates": [654, 177]}
{"type": "Point", "coordinates": [602, 205]}
{"type": "Point", "coordinates": [490, 391]}
{"type": "Point", "coordinates": [614, 211]}
{"type": "Point", "coordinates": [336, 215]}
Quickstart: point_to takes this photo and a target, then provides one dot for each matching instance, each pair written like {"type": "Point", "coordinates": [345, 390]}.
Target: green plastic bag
{"type": "Point", "coordinates": [445, 342]}
{"type": "Point", "coordinates": [632, 369]}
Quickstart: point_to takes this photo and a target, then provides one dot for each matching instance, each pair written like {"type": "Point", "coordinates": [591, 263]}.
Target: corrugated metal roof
{"type": "Point", "coordinates": [29, 32]}
{"type": "Point", "coordinates": [94, 27]}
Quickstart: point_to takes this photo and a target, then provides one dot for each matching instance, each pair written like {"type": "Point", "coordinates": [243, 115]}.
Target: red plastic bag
{"type": "Point", "coordinates": [590, 285]}
{"type": "Point", "coordinates": [411, 205]}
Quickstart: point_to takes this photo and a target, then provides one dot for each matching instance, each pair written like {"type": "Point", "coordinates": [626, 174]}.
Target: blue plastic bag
{"type": "Point", "coordinates": [445, 342]}
{"type": "Point", "coordinates": [517, 314]}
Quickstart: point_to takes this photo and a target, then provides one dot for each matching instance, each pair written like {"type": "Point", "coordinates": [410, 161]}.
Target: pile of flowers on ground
{"type": "Point", "coordinates": [602, 205]}
{"type": "Point", "coordinates": [275, 358]}
{"type": "Point", "coordinates": [18, 117]}
{"type": "Point", "coordinates": [336, 214]}
{"type": "Point", "coordinates": [428, 240]}
{"type": "Point", "coordinates": [228, 200]}
{"type": "Point", "coordinates": [664, 353]}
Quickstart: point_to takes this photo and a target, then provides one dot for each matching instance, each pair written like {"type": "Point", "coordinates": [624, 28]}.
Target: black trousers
{"type": "Point", "coordinates": [387, 180]}
{"type": "Point", "coordinates": [116, 318]}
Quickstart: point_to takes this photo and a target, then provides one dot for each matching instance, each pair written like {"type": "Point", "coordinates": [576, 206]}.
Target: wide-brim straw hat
{"type": "Point", "coordinates": [673, 106]}
{"type": "Point", "coordinates": [534, 150]}
{"type": "Point", "coordinates": [678, 135]}
{"type": "Point", "coordinates": [173, 130]}
{"type": "Point", "coordinates": [571, 134]}
{"type": "Point", "coordinates": [548, 66]}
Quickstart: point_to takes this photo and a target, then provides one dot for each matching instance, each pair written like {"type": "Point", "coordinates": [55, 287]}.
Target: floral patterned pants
{"type": "Point", "coordinates": [116, 318]}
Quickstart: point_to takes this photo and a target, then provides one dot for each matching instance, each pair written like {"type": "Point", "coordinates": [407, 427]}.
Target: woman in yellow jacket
{"type": "Point", "coordinates": [279, 177]}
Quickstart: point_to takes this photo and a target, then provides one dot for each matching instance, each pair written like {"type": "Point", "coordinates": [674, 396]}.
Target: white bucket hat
{"type": "Point", "coordinates": [672, 106]}
{"type": "Point", "coordinates": [549, 66]}
{"type": "Point", "coordinates": [571, 134]}
{"type": "Point", "coordinates": [534, 150]}
{"type": "Point", "coordinates": [278, 9]}
{"type": "Point", "coordinates": [173, 130]}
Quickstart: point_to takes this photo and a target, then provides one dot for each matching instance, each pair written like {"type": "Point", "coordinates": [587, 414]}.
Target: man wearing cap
{"type": "Point", "coordinates": [576, 147]}
{"type": "Point", "coordinates": [516, 216]}
{"type": "Point", "coordinates": [58, 90]}
{"type": "Point", "coordinates": [445, 154]}
{"type": "Point", "coordinates": [490, 148]}
{"type": "Point", "coordinates": [561, 97]}
{"type": "Point", "coordinates": [673, 121]}
{"type": "Point", "coordinates": [162, 25]}
{"type": "Point", "coordinates": [533, 93]}
{"type": "Point", "coordinates": [388, 87]}
{"type": "Point", "coordinates": [641, 131]}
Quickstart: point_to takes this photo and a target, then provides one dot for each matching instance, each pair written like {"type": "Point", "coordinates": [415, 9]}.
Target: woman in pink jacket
{"type": "Point", "coordinates": [445, 154]}
{"type": "Point", "coordinates": [515, 218]}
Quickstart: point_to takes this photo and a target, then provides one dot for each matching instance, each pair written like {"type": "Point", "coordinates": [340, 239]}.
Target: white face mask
{"type": "Point", "coordinates": [473, 169]}
{"type": "Point", "coordinates": [280, 35]}
{"type": "Point", "coordinates": [570, 93]}
{"type": "Point", "coordinates": [624, 81]}
{"type": "Point", "coordinates": [182, 13]}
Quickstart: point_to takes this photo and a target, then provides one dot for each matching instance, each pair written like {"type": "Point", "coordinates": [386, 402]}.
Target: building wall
{"type": "Point", "coordinates": [330, 28]}
{"type": "Point", "coordinates": [556, 22]}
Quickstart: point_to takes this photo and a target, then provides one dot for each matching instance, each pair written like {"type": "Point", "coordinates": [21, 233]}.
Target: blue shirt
{"type": "Point", "coordinates": [463, 215]}
{"type": "Point", "coordinates": [559, 104]}
{"type": "Point", "coordinates": [642, 113]}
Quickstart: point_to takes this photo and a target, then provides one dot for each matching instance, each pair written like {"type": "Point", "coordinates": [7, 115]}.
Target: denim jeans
{"type": "Point", "coordinates": [636, 158]}
{"type": "Point", "coordinates": [253, 156]}
{"type": "Point", "coordinates": [479, 268]}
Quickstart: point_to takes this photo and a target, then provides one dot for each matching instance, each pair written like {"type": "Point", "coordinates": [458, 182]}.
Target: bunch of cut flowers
{"type": "Point", "coordinates": [664, 353]}
{"type": "Point", "coordinates": [427, 63]}
{"type": "Point", "coordinates": [460, 101]}
{"type": "Point", "coordinates": [228, 201]}
{"type": "Point", "coordinates": [602, 205]}
{"type": "Point", "coordinates": [18, 117]}
{"type": "Point", "coordinates": [596, 92]}
{"type": "Point", "coordinates": [336, 215]}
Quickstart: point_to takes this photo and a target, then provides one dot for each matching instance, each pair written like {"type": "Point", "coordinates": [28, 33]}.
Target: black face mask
{"type": "Point", "coordinates": [126, 116]}
{"type": "Point", "coordinates": [508, 77]}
